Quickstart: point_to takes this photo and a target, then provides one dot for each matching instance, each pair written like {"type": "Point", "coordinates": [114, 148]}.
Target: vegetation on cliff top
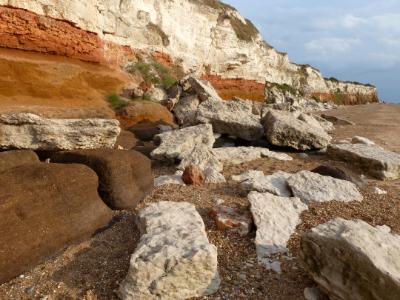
{"type": "Point", "coordinates": [333, 79]}
{"type": "Point", "coordinates": [245, 32]}
{"type": "Point", "coordinates": [215, 4]}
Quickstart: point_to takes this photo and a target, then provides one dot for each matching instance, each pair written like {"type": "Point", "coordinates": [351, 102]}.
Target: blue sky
{"type": "Point", "coordinates": [347, 39]}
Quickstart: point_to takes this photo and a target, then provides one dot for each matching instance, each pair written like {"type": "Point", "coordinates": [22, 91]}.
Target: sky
{"type": "Point", "coordinates": [357, 40]}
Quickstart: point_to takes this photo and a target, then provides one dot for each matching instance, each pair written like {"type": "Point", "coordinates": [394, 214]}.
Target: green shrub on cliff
{"type": "Point", "coordinates": [154, 72]}
{"type": "Point", "coordinates": [116, 101]}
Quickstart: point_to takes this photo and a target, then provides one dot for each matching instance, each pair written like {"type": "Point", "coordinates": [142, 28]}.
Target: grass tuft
{"type": "Point", "coordinates": [116, 101]}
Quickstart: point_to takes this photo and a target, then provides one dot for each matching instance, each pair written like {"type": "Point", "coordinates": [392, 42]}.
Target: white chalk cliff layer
{"type": "Point", "coordinates": [204, 36]}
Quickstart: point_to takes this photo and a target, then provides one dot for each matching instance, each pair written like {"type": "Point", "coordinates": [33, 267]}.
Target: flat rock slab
{"type": "Point", "coordinates": [178, 144]}
{"type": "Point", "coordinates": [233, 117]}
{"type": "Point", "coordinates": [125, 176]}
{"type": "Point", "coordinates": [276, 219]}
{"type": "Point", "coordinates": [374, 160]}
{"type": "Point", "coordinates": [239, 155]}
{"type": "Point", "coordinates": [30, 131]}
{"type": "Point", "coordinates": [174, 259]}
{"type": "Point", "coordinates": [284, 129]}
{"type": "Point", "coordinates": [312, 187]}
{"type": "Point", "coordinates": [44, 208]}
{"type": "Point", "coordinates": [353, 260]}
{"type": "Point", "coordinates": [275, 184]}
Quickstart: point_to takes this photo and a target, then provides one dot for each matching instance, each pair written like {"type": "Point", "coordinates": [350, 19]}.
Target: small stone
{"type": "Point", "coordinates": [379, 191]}
{"type": "Point", "coordinates": [193, 175]}
{"type": "Point", "coordinates": [314, 293]}
{"type": "Point", "coordinates": [362, 140]}
{"type": "Point", "coordinates": [230, 218]}
{"type": "Point", "coordinates": [219, 201]}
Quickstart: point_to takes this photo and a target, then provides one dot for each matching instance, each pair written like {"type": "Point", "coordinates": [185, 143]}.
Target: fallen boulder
{"type": "Point", "coordinates": [233, 117]}
{"type": "Point", "coordinates": [185, 110]}
{"type": "Point", "coordinates": [353, 260]}
{"type": "Point", "coordinates": [144, 111]}
{"type": "Point", "coordinates": [178, 144]}
{"type": "Point", "coordinates": [126, 140]}
{"type": "Point", "coordinates": [44, 208]}
{"type": "Point", "coordinates": [201, 88]}
{"type": "Point", "coordinates": [283, 129]}
{"type": "Point", "coordinates": [15, 158]}
{"type": "Point", "coordinates": [30, 131]}
{"type": "Point", "coordinates": [276, 219]}
{"type": "Point", "coordinates": [312, 187]}
{"type": "Point", "coordinates": [125, 176]}
{"type": "Point", "coordinates": [174, 259]}
{"type": "Point", "coordinates": [374, 160]}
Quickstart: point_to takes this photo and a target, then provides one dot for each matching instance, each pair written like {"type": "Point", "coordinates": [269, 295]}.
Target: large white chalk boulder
{"type": "Point", "coordinates": [233, 117]}
{"type": "Point", "coordinates": [284, 129]}
{"type": "Point", "coordinates": [178, 144]}
{"type": "Point", "coordinates": [276, 219]}
{"type": "Point", "coordinates": [353, 260]}
{"type": "Point", "coordinates": [30, 131]}
{"type": "Point", "coordinates": [312, 187]}
{"type": "Point", "coordinates": [374, 160]}
{"type": "Point", "coordinates": [174, 259]}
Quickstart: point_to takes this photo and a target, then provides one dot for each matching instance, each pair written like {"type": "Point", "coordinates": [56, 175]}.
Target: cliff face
{"type": "Point", "coordinates": [205, 37]}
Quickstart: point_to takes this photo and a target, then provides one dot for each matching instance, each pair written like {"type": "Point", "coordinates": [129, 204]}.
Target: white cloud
{"type": "Point", "coordinates": [350, 21]}
{"type": "Point", "coordinates": [331, 46]}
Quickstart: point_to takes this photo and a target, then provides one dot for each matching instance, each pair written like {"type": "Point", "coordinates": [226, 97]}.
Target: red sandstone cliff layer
{"type": "Point", "coordinates": [24, 30]}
